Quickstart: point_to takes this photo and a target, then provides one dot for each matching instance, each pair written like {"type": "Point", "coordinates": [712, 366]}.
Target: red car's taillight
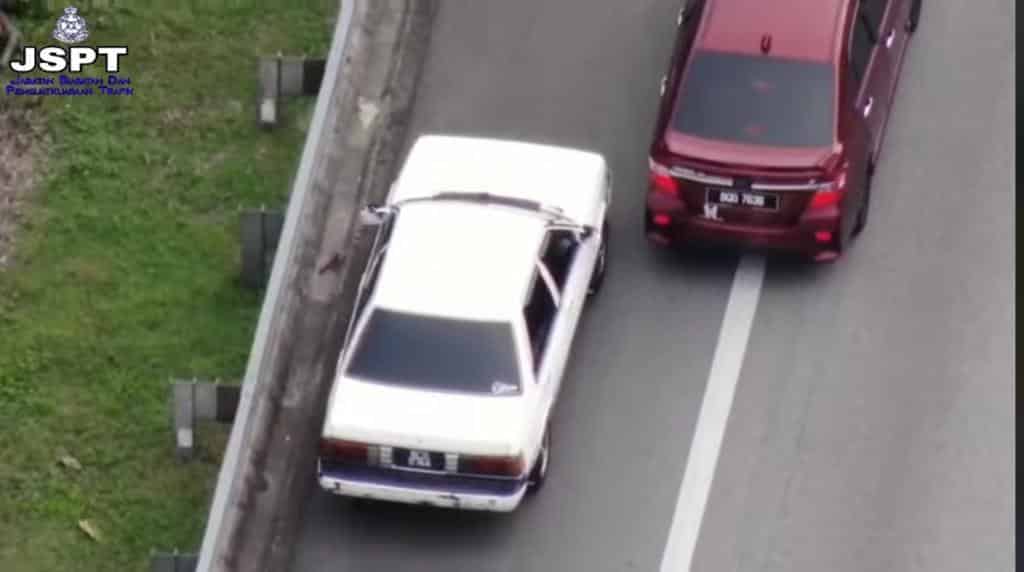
{"type": "Point", "coordinates": [661, 179]}
{"type": "Point", "coordinates": [491, 466]}
{"type": "Point", "coordinates": [825, 198]}
{"type": "Point", "coordinates": [830, 194]}
{"type": "Point", "coordinates": [342, 451]}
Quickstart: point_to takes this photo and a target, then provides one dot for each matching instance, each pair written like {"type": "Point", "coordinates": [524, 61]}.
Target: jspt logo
{"type": "Point", "coordinates": [54, 59]}
{"type": "Point", "coordinates": [71, 28]}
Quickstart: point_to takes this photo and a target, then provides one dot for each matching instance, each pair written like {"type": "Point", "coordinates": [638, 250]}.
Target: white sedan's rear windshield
{"type": "Point", "coordinates": [434, 353]}
{"type": "Point", "coordinates": [757, 99]}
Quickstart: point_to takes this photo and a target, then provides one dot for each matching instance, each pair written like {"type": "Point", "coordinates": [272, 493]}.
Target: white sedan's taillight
{"type": "Point", "coordinates": [341, 451]}
{"type": "Point", "coordinates": [492, 466]}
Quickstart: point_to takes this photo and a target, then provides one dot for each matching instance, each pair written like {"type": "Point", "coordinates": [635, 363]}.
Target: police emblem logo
{"type": "Point", "coordinates": [71, 28]}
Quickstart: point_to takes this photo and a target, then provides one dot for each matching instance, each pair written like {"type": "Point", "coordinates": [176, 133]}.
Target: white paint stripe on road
{"type": "Point", "coordinates": [714, 414]}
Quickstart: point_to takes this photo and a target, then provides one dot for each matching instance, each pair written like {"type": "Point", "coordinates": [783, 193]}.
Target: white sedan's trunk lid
{"type": "Point", "coordinates": [399, 416]}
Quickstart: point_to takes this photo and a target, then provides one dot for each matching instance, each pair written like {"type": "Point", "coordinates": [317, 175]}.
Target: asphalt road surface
{"type": "Point", "coordinates": [871, 424]}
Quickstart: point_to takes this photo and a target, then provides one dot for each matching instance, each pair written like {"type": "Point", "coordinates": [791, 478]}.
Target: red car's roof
{"type": "Point", "coordinates": [801, 29]}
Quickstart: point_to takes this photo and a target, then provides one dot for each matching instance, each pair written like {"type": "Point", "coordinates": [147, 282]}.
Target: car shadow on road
{"type": "Point", "coordinates": [788, 271]}
{"type": "Point", "coordinates": [397, 515]}
{"type": "Point", "coordinates": [426, 526]}
{"type": "Point", "coordinates": [390, 532]}
{"type": "Point", "coordinates": [784, 268]}
{"type": "Point", "coordinates": [696, 259]}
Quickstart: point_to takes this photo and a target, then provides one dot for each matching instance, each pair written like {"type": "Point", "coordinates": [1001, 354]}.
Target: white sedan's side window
{"type": "Point", "coordinates": [369, 278]}
{"type": "Point", "coordinates": [539, 312]}
{"type": "Point", "coordinates": [558, 255]}
{"type": "Point", "coordinates": [367, 283]}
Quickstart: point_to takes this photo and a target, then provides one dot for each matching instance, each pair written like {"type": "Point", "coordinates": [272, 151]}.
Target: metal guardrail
{"type": "Point", "coordinates": [172, 562]}
{"type": "Point", "coordinates": [282, 76]}
{"type": "Point", "coordinates": [260, 233]}
{"type": "Point", "coordinates": [229, 481]}
{"type": "Point", "coordinates": [195, 400]}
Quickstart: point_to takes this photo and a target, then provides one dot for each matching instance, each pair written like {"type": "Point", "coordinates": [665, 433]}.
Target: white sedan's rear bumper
{"type": "Point", "coordinates": [431, 497]}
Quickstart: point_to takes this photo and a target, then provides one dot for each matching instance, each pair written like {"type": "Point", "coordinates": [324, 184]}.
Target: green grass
{"type": "Point", "coordinates": [125, 276]}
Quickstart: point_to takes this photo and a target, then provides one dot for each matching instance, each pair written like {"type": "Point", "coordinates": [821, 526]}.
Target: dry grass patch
{"type": "Point", "coordinates": [22, 147]}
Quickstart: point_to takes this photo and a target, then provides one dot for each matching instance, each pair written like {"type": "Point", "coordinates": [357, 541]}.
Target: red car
{"type": "Point", "coordinates": [771, 121]}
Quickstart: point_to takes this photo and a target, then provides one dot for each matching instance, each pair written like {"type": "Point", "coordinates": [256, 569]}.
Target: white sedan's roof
{"type": "Point", "coordinates": [460, 260]}
{"type": "Point", "coordinates": [571, 179]}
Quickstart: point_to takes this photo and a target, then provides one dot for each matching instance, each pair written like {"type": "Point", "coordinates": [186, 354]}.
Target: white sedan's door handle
{"type": "Point", "coordinates": [868, 106]}
{"type": "Point", "coordinates": [890, 38]}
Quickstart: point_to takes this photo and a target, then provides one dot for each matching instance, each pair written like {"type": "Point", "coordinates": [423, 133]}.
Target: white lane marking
{"type": "Point", "coordinates": [714, 414]}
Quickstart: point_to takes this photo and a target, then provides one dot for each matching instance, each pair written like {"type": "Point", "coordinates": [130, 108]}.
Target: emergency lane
{"type": "Point", "coordinates": [872, 424]}
{"type": "Point", "coordinates": [581, 73]}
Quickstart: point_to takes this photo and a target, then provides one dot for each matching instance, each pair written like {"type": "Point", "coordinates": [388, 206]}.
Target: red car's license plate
{"type": "Point", "coordinates": [743, 199]}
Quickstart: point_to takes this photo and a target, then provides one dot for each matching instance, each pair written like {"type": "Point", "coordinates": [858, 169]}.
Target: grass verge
{"type": "Point", "coordinates": [125, 275]}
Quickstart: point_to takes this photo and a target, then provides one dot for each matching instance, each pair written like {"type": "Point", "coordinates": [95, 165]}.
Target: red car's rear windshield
{"type": "Point", "coordinates": [756, 99]}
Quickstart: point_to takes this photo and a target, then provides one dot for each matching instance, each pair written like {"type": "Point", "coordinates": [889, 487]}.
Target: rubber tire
{"type": "Point", "coordinates": [539, 472]}
{"type": "Point", "coordinates": [598, 278]}
{"type": "Point", "coordinates": [865, 207]}
{"type": "Point", "coordinates": [915, 16]}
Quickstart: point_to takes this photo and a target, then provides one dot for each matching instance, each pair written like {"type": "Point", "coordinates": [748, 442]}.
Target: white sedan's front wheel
{"type": "Point", "coordinates": [540, 467]}
{"type": "Point", "coordinates": [602, 262]}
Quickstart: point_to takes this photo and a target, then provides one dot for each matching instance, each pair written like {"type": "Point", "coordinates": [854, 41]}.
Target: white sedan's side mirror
{"type": "Point", "coordinates": [373, 215]}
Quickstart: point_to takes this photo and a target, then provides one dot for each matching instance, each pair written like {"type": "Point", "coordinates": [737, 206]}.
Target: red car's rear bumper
{"type": "Point", "coordinates": [668, 222]}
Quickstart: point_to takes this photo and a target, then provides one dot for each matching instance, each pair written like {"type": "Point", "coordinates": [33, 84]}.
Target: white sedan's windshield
{"type": "Point", "coordinates": [443, 354]}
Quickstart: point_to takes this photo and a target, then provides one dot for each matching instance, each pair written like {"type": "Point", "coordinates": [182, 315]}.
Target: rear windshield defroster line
{"type": "Point", "coordinates": [756, 99]}
{"type": "Point", "coordinates": [433, 353]}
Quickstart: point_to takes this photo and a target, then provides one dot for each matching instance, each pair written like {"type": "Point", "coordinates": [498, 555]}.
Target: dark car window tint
{"type": "Point", "coordinates": [437, 353]}
{"type": "Point", "coordinates": [757, 99]}
{"type": "Point", "coordinates": [860, 50]}
{"type": "Point", "coordinates": [873, 11]}
{"type": "Point", "coordinates": [540, 315]}
{"type": "Point", "coordinates": [558, 255]}
{"type": "Point", "coordinates": [688, 30]}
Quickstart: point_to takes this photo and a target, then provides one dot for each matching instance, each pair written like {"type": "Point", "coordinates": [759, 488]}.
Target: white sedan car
{"type": "Point", "coordinates": [485, 253]}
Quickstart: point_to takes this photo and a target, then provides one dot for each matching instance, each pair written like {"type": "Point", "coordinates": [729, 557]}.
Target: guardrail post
{"type": "Point", "coordinates": [260, 232]}
{"type": "Point", "coordinates": [184, 419]}
{"type": "Point", "coordinates": [270, 90]}
{"type": "Point", "coordinates": [282, 76]}
{"type": "Point", "coordinates": [226, 406]}
{"type": "Point", "coordinates": [173, 562]}
{"type": "Point", "coordinates": [313, 75]}
{"type": "Point", "coordinates": [195, 400]}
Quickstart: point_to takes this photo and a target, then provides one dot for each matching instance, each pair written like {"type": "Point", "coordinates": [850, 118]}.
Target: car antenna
{"type": "Point", "coordinates": [766, 43]}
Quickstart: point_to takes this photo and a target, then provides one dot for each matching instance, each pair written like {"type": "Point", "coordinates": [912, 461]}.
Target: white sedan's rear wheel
{"type": "Point", "coordinates": [540, 467]}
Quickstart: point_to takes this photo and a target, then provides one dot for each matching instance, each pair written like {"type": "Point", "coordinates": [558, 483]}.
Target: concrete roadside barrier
{"type": "Point", "coordinates": [349, 155]}
{"type": "Point", "coordinates": [224, 510]}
